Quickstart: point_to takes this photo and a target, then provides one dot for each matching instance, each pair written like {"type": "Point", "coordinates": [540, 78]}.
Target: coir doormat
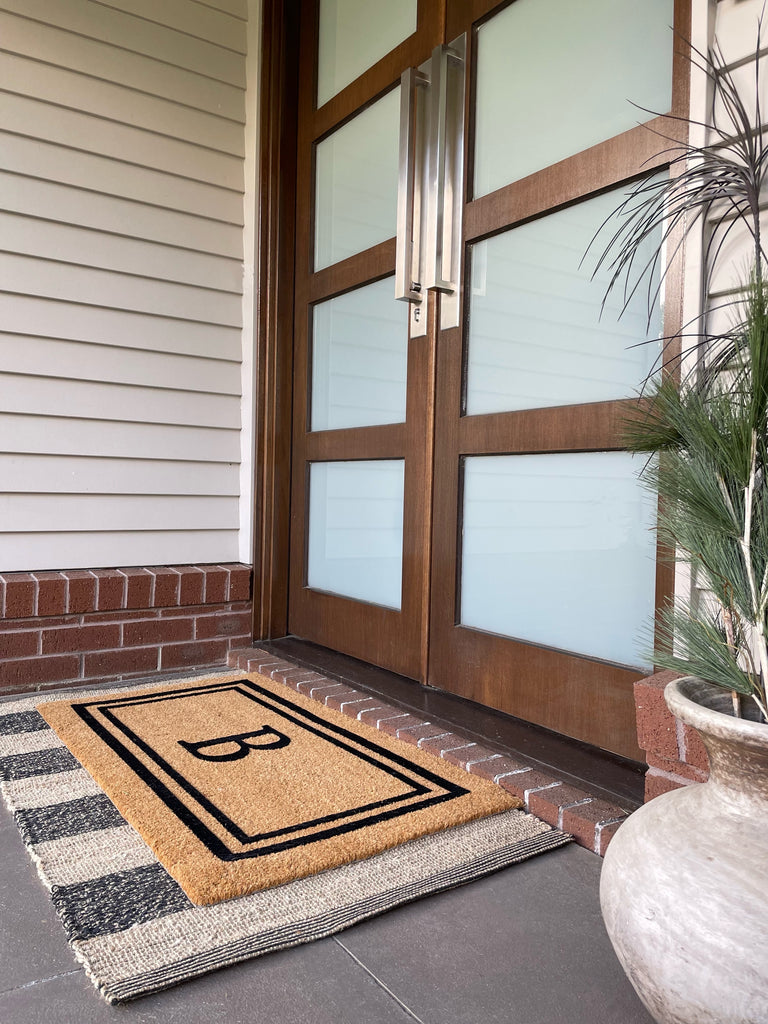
{"type": "Point", "coordinates": [239, 784]}
{"type": "Point", "coordinates": [131, 924]}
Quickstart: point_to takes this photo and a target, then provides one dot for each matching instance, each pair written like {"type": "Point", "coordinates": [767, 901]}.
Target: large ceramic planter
{"type": "Point", "coordinates": [684, 888]}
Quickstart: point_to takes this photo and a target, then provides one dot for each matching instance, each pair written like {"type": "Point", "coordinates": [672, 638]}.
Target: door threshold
{"type": "Point", "coordinates": [608, 776]}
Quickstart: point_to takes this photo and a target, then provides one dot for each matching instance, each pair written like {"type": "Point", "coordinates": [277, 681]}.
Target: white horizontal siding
{"type": "Point", "coordinates": [40, 120]}
{"type": "Point", "coordinates": [731, 25]}
{"type": "Point", "coordinates": [51, 357]}
{"type": "Point", "coordinates": [208, 24]}
{"type": "Point", "coordinates": [25, 275]}
{"type": "Point", "coordinates": [29, 513]}
{"type": "Point", "coordinates": [98, 549]}
{"type": "Point", "coordinates": [26, 77]}
{"type": "Point", "coordinates": [64, 435]}
{"type": "Point", "coordinates": [48, 318]}
{"type": "Point", "coordinates": [104, 62]}
{"type": "Point", "coordinates": [89, 400]}
{"type": "Point", "coordinates": [736, 253]}
{"type": "Point", "coordinates": [91, 475]}
{"type": "Point", "coordinates": [736, 28]}
{"type": "Point", "coordinates": [736, 35]}
{"type": "Point", "coordinates": [238, 8]}
{"type": "Point", "coordinates": [137, 35]}
{"type": "Point", "coordinates": [87, 207]}
{"type": "Point", "coordinates": [102, 175]}
{"type": "Point", "coordinates": [730, 247]}
{"type": "Point", "coordinates": [121, 281]}
{"type": "Point", "coordinates": [65, 243]}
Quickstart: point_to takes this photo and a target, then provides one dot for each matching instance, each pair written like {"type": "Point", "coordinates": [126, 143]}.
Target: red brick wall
{"type": "Point", "coordinates": [675, 754]}
{"type": "Point", "coordinates": [85, 625]}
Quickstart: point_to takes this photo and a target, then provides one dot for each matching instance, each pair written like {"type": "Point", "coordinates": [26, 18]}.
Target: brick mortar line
{"type": "Point", "coordinates": [515, 771]}
{"type": "Point", "coordinates": [460, 746]}
{"type": "Point", "coordinates": [346, 703]}
{"type": "Point", "coordinates": [539, 789]}
{"type": "Point", "coordinates": [428, 739]}
{"type": "Point", "coordinates": [567, 807]}
{"type": "Point", "coordinates": [599, 826]}
{"type": "Point", "coordinates": [480, 760]}
{"type": "Point", "coordinates": [321, 699]}
{"type": "Point", "coordinates": [365, 711]}
{"type": "Point", "coordinates": [608, 821]}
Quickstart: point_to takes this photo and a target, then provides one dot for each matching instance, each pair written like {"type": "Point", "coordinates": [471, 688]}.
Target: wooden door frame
{"type": "Point", "coordinates": [590, 684]}
{"type": "Point", "coordinates": [273, 358]}
{"type": "Point", "coordinates": [275, 311]}
{"type": "Point", "coordinates": [391, 636]}
{"type": "Point", "coordinates": [276, 243]}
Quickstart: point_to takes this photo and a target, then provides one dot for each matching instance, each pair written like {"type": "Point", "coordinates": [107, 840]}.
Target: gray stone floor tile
{"type": "Point", "coordinates": [40, 980]}
{"type": "Point", "coordinates": [524, 946]}
{"type": "Point", "coordinates": [32, 942]}
{"type": "Point", "coordinates": [313, 984]}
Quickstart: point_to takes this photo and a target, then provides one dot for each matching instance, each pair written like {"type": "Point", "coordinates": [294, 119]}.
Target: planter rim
{"type": "Point", "coordinates": [697, 703]}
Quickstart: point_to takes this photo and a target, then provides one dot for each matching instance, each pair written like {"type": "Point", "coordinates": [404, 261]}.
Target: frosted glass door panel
{"type": "Point", "coordinates": [536, 333]}
{"type": "Point", "coordinates": [555, 77]}
{"type": "Point", "coordinates": [559, 550]}
{"type": "Point", "coordinates": [356, 183]}
{"type": "Point", "coordinates": [354, 34]}
{"type": "Point", "coordinates": [359, 358]}
{"type": "Point", "coordinates": [356, 529]}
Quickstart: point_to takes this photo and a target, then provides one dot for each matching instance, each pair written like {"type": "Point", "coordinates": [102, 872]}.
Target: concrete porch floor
{"type": "Point", "coordinates": [526, 945]}
{"type": "Point", "coordinates": [523, 946]}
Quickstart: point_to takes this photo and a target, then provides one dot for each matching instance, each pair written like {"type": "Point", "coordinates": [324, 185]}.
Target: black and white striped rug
{"type": "Point", "coordinates": [129, 922]}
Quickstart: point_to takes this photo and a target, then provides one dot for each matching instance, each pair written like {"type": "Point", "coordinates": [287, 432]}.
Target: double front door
{"type": "Point", "coordinates": [462, 511]}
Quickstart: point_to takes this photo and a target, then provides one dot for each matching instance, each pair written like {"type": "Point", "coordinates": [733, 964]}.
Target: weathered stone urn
{"type": "Point", "coordinates": [684, 887]}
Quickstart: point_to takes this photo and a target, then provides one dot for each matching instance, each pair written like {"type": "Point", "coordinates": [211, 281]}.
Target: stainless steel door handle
{"type": "Point", "coordinates": [446, 178]}
{"type": "Point", "coordinates": [431, 185]}
{"type": "Point", "coordinates": [409, 259]}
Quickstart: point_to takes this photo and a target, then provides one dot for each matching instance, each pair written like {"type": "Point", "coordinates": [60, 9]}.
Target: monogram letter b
{"type": "Point", "coordinates": [243, 744]}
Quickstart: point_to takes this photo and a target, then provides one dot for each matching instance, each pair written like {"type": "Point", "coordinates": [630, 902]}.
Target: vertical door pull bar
{"type": "Point", "coordinates": [409, 260]}
{"type": "Point", "coordinates": [446, 178]}
{"type": "Point", "coordinates": [405, 287]}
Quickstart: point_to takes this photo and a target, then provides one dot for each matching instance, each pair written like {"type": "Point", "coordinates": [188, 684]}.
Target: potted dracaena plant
{"type": "Point", "coordinates": [683, 888]}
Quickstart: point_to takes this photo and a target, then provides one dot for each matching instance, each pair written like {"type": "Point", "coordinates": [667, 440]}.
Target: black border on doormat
{"type": "Point", "coordinates": [423, 788]}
